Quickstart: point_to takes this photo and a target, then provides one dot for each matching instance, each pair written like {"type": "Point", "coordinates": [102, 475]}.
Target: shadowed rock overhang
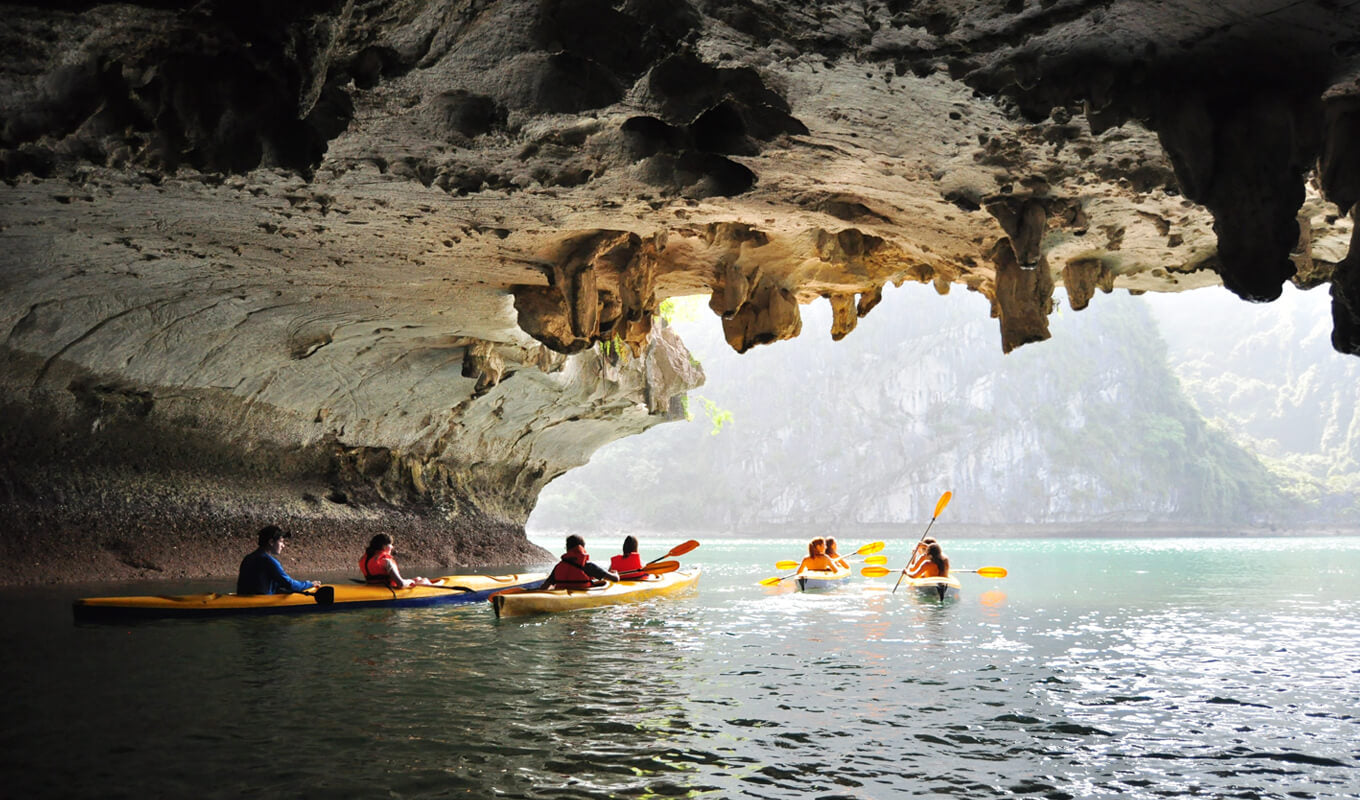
{"type": "Point", "coordinates": [389, 238]}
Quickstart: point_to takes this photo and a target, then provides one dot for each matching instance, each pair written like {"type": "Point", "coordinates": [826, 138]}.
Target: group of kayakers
{"type": "Point", "coordinates": [927, 559]}
{"type": "Point", "coordinates": [261, 572]}
{"type": "Point", "coordinates": [575, 570]}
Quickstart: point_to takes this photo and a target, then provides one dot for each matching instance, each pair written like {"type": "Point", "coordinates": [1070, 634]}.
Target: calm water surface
{"type": "Point", "coordinates": [1098, 668]}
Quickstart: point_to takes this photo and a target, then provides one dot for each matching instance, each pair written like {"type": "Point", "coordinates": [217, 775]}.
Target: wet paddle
{"type": "Point", "coordinates": [871, 547]}
{"type": "Point", "coordinates": [678, 550]}
{"type": "Point", "coordinates": [981, 572]}
{"type": "Point", "coordinates": [651, 569]}
{"type": "Point", "coordinates": [414, 585]}
{"type": "Point", "coordinates": [939, 507]}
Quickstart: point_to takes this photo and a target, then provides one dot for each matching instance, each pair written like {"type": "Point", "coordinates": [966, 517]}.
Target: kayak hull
{"type": "Point", "coordinates": [329, 597]}
{"type": "Point", "coordinates": [517, 604]}
{"type": "Point", "coordinates": [820, 580]}
{"type": "Point", "coordinates": [938, 589]}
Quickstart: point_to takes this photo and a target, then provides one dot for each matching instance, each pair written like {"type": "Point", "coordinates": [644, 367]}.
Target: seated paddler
{"type": "Point", "coordinates": [261, 572]}
{"type": "Point", "coordinates": [928, 561]}
{"type": "Point", "coordinates": [816, 558]}
{"type": "Point", "coordinates": [629, 561]}
{"type": "Point", "coordinates": [575, 570]}
{"type": "Point", "coordinates": [379, 566]}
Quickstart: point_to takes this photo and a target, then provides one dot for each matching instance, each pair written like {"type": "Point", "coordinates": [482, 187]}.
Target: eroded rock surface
{"type": "Point", "coordinates": [349, 260]}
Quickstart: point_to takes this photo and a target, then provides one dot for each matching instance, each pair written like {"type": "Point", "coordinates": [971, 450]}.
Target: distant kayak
{"type": "Point", "coordinates": [934, 588]}
{"type": "Point", "coordinates": [815, 580]}
{"type": "Point", "coordinates": [328, 597]}
{"type": "Point", "coordinates": [514, 604]}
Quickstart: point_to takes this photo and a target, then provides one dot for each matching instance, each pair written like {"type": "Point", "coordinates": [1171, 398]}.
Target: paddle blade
{"type": "Point", "coordinates": [786, 565]}
{"type": "Point", "coordinates": [776, 579]}
{"type": "Point", "coordinates": [660, 568]}
{"type": "Point", "coordinates": [875, 572]}
{"type": "Point", "coordinates": [876, 561]}
{"type": "Point", "coordinates": [678, 550]}
{"type": "Point", "coordinates": [991, 572]}
{"type": "Point", "coordinates": [944, 501]}
{"type": "Point", "coordinates": [871, 547]}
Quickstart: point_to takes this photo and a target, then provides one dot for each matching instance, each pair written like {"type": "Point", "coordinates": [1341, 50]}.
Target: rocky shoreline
{"type": "Point", "coordinates": [57, 545]}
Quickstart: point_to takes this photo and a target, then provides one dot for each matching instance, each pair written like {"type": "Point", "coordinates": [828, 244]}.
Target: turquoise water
{"type": "Point", "coordinates": [1097, 668]}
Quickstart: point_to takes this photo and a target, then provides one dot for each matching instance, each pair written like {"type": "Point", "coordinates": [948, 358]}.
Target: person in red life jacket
{"type": "Point", "coordinates": [630, 561]}
{"type": "Point", "coordinates": [576, 570]}
{"type": "Point", "coordinates": [379, 567]}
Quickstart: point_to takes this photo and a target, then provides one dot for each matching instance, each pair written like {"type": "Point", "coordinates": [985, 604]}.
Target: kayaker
{"type": "Point", "coordinates": [816, 558]}
{"type": "Point", "coordinates": [835, 556]}
{"type": "Point", "coordinates": [261, 572]}
{"type": "Point", "coordinates": [629, 561]}
{"type": "Point", "coordinates": [576, 570]}
{"type": "Point", "coordinates": [378, 565]}
{"type": "Point", "coordinates": [929, 561]}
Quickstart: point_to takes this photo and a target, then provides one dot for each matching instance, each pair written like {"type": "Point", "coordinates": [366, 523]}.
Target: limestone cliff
{"type": "Point", "coordinates": [363, 249]}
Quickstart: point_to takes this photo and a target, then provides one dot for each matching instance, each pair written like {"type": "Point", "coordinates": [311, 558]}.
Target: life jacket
{"type": "Point", "coordinates": [375, 568]}
{"type": "Point", "coordinates": [628, 562]}
{"type": "Point", "coordinates": [570, 573]}
{"type": "Point", "coordinates": [928, 569]}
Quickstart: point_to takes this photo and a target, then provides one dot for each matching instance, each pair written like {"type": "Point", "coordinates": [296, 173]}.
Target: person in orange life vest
{"type": "Point", "coordinates": [576, 570]}
{"type": "Point", "coordinates": [835, 556]}
{"type": "Point", "coordinates": [630, 561]}
{"type": "Point", "coordinates": [378, 566]}
{"type": "Point", "coordinates": [816, 557]}
{"type": "Point", "coordinates": [928, 561]}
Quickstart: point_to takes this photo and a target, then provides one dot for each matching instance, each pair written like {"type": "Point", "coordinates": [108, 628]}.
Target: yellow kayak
{"type": "Point", "coordinates": [328, 597]}
{"type": "Point", "coordinates": [820, 579]}
{"type": "Point", "coordinates": [516, 604]}
{"type": "Point", "coordinates": [935, 588]}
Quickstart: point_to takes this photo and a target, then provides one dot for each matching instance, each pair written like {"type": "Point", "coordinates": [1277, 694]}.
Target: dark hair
{"type": "Point", "coordinates": [936, 554]}
{"type": "Point", "coordinates": [376, 544]}
{"type": "Point", "coordinates": [629, 544]}
{"type": "Point", "coordinates": [831, 545]}
{"type": "Point", "coordinates": [818, 541]}
{"type": "Point", "coordinates": [575, 541]}
{"type": "Point", "coordinates": [269, 533]}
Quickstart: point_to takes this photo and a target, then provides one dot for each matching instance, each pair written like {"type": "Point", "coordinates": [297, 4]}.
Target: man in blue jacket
{"type": "Point", "coordinates": [261, 572]}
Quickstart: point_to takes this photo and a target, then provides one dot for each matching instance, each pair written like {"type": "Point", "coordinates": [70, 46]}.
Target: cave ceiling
{"type": "Point", "coordinates": [322, 206]}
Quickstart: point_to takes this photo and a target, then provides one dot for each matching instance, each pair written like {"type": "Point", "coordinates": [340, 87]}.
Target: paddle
{"type": "Point", "coordinates": [652, 569]}
{"type": "Point", "coordinates": [678, 550]}
{"type": "Point", "coordinates": [323, 595]}
{"type": "Point", "coordinates": [982, 572]}
{"type": "Point", "coordinates": [876, 560]}
{"type": "Point", "coordinates": [939, 507]}
{"type": "Point", "coordinates": [871, 547]}
{"type": "Point", "coordinates": [414, 585]}
{"type": "Point", "coordinates": [649, 569]}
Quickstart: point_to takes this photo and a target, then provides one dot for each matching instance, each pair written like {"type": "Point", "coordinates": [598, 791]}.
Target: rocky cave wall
{"type": "Point", "coordinates": [398, 264]}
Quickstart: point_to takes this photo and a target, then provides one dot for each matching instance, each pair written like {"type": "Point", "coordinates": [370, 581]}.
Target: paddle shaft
{"type": "Point", "coordinates": [939, 507]}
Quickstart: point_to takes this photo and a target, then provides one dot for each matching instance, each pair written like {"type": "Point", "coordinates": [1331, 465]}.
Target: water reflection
{"type": "Point", "coordinates": [1094, 670]}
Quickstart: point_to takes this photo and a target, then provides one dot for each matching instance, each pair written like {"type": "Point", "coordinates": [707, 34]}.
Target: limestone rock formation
{"type": "Point", "coordinates": [408, 255]}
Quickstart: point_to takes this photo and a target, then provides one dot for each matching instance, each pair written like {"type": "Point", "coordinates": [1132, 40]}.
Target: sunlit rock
{"type": "Point", "coordinates": [382, 248]}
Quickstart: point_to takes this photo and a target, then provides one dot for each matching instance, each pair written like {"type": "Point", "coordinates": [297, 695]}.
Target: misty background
{"type": "Point", "coordinates": [1197, 410]}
